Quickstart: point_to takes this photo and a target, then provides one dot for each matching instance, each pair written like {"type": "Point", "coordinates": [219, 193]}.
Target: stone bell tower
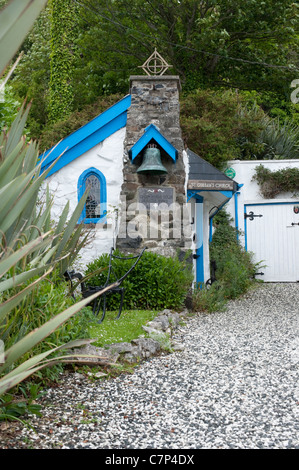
{"type": "Point", "coordinates": [153, 196]}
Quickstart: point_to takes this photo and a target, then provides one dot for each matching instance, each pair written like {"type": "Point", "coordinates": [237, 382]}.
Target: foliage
{"type": "Point", "coordinates": [30, 250]}
{"type": "Point", "coordinates": [208, 300]}
{"type": "Point", "coordinates": [48, 299]}
{"type": "Point", "coordinates": [234, 268]}
{"type": "Point", "coordinates": [216, 123]}
{"type": "Point", "coordinates": [13, 407]}
{"type": "Point", "coordinates": [225, 125]}
{"type": "Point", "coordinates": [275, 182]}
{"type": "Point", "coordinates": [156, 282]}
{"type": "Point", "coordinates": [281, 141]}
{"type": "Point", "coordinates": [52, 133]}
{"type": "Point", "coordinates": [277, 138]}
{"type": "Point", "coordinates": [9, 107]}
{"type": "Point", "coordinates": [221, 42]}
{"type": "Point", "coordinates": [250, 46]}
{"type": "Point", "coordinates": [63, 33]}
{"type": "Point", "coordinates": [273, 104]}
{"type": "Point", "coordinates": [16, 19]}
{"type": "Point", "coordinates": [31, 79]}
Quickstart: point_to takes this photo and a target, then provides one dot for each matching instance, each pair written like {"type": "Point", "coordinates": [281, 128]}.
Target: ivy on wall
{"type": "Point", "coordinates": [274, 182]}
{"type": "Point", "coordinates": [64, 18]}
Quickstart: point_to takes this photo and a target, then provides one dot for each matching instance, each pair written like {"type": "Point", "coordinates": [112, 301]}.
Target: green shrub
{"type": "Point", "coordinates": [157, 281]}
{"type": "Point", "coordinates": [210, 299]}
{"type": "Point", "coordinates": [234, 268]}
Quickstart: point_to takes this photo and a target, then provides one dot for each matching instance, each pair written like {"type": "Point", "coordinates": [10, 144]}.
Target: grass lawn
{"type": "Point", "coordinates": [125, 329]}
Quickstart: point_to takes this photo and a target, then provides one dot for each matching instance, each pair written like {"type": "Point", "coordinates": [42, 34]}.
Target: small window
{"type": "Point", "coordinates": [95, 207]}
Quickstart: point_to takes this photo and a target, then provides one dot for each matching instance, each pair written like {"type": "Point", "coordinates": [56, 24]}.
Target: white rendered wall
{"type": "Point", "coordinates": [108, 158]}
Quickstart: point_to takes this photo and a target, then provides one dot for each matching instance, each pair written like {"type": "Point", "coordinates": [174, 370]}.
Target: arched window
{"type": "Point", "coordinates": [95, 208]}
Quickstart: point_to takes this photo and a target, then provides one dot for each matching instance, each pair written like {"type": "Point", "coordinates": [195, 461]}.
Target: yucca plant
{"type": "Point", "coordinates": [272, 139]}
{"type": "Point", "coordinates": [281, 140]}
{"type": "Point", "coordinates": [30, 247]}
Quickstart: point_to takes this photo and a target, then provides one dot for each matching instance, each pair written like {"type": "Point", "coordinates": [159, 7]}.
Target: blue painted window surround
{"type": "Point", "coordinates": [95, 208]}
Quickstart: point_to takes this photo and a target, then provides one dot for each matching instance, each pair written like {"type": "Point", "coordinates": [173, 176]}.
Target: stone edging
{"type": "Point", "coordinates": [159, 331]}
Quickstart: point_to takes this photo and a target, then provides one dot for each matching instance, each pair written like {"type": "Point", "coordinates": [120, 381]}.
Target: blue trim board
{"type": "Point", "coordinates": [236, 214]}
{"type": "Point", "coordinates": [237, 210]}
{"type": "Point", "coordinates": [152, 133]}
{"type": "Point", "coordinates": [195, 194]}
{"type": "Point", "coordinates": [270, 203]}
{"type": "Point", "coordinates": [81, 191]}
{"type": "Point", "coordinates": [89, 135]}
{"type": "Point", "coordinates": [199, 250]}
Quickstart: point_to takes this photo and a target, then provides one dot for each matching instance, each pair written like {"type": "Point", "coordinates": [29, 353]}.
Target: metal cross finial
{"type": "Point", "coordinates": [155, 64]}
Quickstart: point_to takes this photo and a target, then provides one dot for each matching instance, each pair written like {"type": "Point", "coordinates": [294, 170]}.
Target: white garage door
{"type": "Point", "coordinates": [272, 235]}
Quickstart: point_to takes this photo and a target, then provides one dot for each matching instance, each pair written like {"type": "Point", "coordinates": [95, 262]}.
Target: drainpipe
{"type": "Point", "coordinates": [236, 210]}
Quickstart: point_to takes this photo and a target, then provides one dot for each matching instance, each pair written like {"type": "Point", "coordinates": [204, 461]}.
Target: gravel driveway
{"type": "Point", "coordinates": [235, 385]}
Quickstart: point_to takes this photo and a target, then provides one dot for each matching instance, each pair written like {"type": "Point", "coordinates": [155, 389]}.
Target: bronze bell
{"type": "Point", "coordinates": [151, 162]}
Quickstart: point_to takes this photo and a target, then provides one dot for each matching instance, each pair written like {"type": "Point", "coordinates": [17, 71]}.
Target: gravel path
{"type": "Point", "coordinates": [235, 385]}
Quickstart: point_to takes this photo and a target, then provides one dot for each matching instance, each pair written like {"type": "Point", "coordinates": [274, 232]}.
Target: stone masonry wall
{"type": "Point", "coordinates": [155, 100]}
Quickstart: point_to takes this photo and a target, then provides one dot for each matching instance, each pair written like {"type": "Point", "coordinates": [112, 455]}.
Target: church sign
{"type": "Point", "coordinates": [211, 185]}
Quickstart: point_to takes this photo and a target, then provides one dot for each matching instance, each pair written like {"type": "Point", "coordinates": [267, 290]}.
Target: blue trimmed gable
{"type": "Point", "coordinates": [152, 133]}
{"type": "Point", "coordinates": [85, 138]}
{"type": "Point", "coordinates": [97, 130]}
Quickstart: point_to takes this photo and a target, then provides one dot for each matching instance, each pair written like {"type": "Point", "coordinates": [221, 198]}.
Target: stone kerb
{"type": "Point", "coordinates": [159, 330]}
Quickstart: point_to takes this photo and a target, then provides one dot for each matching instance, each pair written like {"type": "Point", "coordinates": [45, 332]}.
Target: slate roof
{"type": "Point", "coordinates": [200, 169]}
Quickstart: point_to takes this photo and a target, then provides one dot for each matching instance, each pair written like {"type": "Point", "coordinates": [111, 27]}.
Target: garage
{"type": "Point", "coordinates": [268, 228]}
{"type": "Point", "coordinates": [272, 235]}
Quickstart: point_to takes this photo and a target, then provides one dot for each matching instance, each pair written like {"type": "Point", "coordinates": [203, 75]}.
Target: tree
{"type": "Point", "coordinates": [232, 43]}
{"type": "Point", "coordinates": [211, 44]}
{"type": "Point", "coordinates": [63, 50]}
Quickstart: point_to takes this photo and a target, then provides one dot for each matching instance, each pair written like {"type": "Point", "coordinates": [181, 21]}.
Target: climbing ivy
{"type": "Point", "coordinates": [274, 182]}
{"type": "Point", "coordinates": [64, 17]}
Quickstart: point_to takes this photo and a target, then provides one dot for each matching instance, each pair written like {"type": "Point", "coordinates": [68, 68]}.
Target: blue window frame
{"type": "Point", "coordinates": [95, 208]}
